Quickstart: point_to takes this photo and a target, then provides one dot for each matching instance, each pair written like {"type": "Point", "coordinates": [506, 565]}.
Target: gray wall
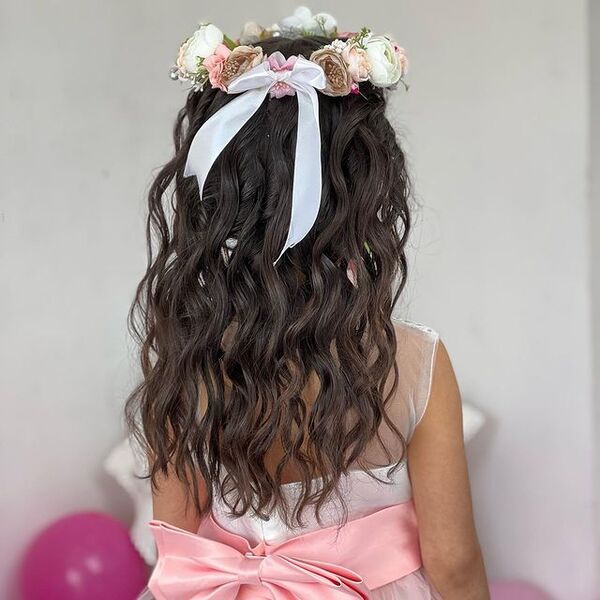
{"type": "Point", "coordinates": [497, 127]}
{"type": "Point", "coordinates": [498, 119]}
{"type": "Point", "coordinates": [595, 227]}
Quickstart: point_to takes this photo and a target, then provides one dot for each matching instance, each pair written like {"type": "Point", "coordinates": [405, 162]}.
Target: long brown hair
{"type": "Point", "coordinates": [213, 410]}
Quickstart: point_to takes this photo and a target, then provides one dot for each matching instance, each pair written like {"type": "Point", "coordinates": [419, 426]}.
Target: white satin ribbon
{"type": "Point", "coordinates": [210, 140]}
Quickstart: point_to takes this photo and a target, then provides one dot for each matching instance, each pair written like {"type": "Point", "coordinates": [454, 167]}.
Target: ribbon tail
{"type": "Point", "coordinates": [212, 137]}
{"type": "Point", "coordinates": [306, 193]}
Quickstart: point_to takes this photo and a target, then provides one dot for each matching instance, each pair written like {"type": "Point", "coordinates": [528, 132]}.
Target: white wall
{"type": "Point", "coordinates": [595, 229]}
{"type": "Point", "coordinates": [496, 123]}
{"type": "Point", "coordinates": [498, 119]}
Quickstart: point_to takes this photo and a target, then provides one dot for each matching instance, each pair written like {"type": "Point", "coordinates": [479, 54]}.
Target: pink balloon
{"type": "Point", "coordinates": [85, 556]}
{"type": "Point", "coordinates": [516, 590]}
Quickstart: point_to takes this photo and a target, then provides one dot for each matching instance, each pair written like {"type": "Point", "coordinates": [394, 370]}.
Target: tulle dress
{"type": "Point", "coordinates": [362, 494]}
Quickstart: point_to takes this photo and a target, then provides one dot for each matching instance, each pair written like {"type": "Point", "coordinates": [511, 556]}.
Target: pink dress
{"type": "Point", "coordinates": [372, 505]}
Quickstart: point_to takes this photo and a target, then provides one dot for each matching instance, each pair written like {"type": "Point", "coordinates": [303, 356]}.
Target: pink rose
{"type": "Point", "coordinates": [214, 65]}
{"type": "Point", "coordinates": [402, 58]}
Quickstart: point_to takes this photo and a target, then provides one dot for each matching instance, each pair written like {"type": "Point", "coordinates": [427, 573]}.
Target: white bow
{"type": "Point", "coordinates": [210, 140]}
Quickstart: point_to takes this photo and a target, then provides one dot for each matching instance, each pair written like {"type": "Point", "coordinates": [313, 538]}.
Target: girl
{"type": "Point", "coordinates": [302, 442]}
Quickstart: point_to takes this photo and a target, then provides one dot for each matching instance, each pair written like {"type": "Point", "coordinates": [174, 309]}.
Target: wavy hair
{"type": "Point", "coordinates": [215, 411]}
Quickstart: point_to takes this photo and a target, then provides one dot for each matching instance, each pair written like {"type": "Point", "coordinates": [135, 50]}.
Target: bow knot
{"type": "Point", "coordinates": [304, 77]}
{"type": "Point", "coordinates": [216, 564]}
{"type": "Point", "coordinates": [250, 569]}
{"type": "Point", "coordinates": [281, 75]}
{"type": "Point", "coordinates": [193, 567]}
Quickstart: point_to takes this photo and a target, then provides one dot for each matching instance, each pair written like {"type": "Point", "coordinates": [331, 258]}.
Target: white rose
{"type": "Point", "coordinates": [324, 24]}
{"type": "Point", "coordinates": [303, 20]}
{"type": "Point", "coordinates": [386, 66]}
{"type": "Point", "coordinates": [201, 44]}
{"type": "Point", "coordinates": [299, 20]}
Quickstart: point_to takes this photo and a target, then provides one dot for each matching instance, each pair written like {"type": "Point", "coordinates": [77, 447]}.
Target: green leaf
{"type": "Point", "coordinates": [229, 42]}
{"type": "Point", "coordinates": [359, 38]}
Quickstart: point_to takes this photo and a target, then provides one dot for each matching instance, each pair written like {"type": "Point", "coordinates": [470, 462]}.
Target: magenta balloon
{"type": "Point", "coordinates": [516, 590]}
{"type": "Point", "coordinates": [82, 556]}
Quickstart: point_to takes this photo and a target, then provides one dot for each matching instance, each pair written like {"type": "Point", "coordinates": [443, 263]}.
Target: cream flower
{"type": "Point", "coordinates": [324, 24]}
{"type": "Point", "coordinates": [339, 81]}
{"type": "Point", "coordinates": [252, 33]}
{"type": "Point", "coordinates": [203, 42]}
{"type": "Point", "coordinates": [387, 66]}
{"type": "Point", "coordinates": [337, 45]}
{"type": "Point", "coordinates": [303, 21]}
{"type": "Point", "coordinates": [358, 62]}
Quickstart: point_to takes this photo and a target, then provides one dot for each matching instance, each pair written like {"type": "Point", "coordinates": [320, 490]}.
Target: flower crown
{"type": "Point", "coordinates": [241, 68]}
{"type": "Point", "coordinates": [210, 56]}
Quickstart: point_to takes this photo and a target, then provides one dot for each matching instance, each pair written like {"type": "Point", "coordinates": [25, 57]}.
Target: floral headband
{"type": "Point", "coordinates": [209, 55]}
{"type": "Point", "coordinates": [240, 67]}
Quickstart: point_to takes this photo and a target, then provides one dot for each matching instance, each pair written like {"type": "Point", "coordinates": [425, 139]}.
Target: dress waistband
{"type": "Point", "coordinates": [332, 563]}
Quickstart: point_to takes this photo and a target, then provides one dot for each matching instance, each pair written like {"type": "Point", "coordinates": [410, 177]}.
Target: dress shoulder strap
{"type": "Point", "coordinates": [415, 355]}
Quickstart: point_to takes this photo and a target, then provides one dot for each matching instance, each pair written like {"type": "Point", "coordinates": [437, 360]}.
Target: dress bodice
{"type": "Point", "coordinates": [363, 495]}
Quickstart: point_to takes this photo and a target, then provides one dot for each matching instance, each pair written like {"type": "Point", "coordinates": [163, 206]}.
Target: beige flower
{"type": "Point", "coordinates": [358, 62]}
{"type": "Point", "coordinates": [241, 59]}
{"type": "Point", "coordinates": [339, 80]}
{"type": "Point", "coordinates": [252, 33]}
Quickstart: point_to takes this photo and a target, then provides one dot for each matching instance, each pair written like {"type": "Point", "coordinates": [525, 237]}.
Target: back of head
{"type": "Point", "coordinates": [232, 341]}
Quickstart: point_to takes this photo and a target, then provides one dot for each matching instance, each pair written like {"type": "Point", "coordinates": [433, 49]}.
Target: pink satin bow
{"type": "Point", "coordinates": [216, 564]}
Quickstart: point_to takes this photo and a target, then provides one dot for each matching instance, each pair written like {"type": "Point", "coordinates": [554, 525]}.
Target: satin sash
{"type": "Point", "coordinates": [326, 564]}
